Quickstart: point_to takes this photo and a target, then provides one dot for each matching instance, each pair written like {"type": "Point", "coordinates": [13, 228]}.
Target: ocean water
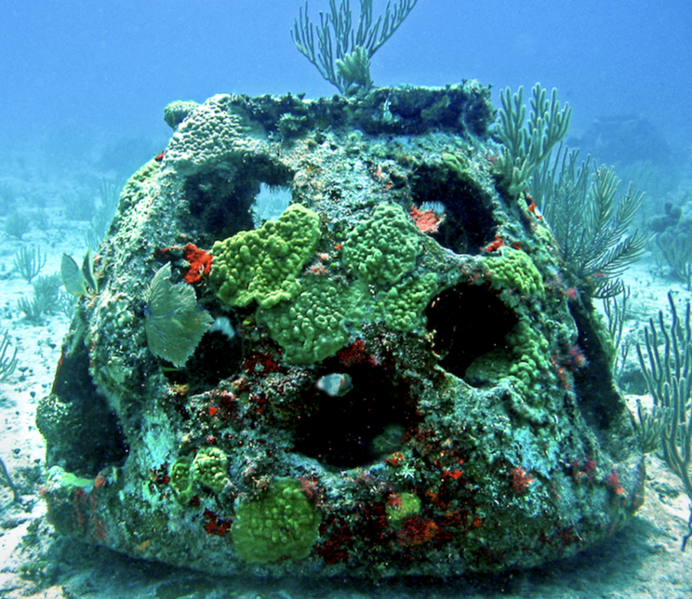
{"type": "Point", "coordinates": [71, 71]}
{"type": "Point", "coordinates": [83, 87]}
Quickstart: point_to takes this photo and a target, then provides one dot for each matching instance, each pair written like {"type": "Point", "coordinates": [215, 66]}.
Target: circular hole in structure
{"type": "Point", "coordinates": [467, 321]}
{"type": "Point", "coordinates": [358, 422]}
{"type": "Point", "coordinates": [270, 203]}
{"type": "Point", "coordinates": [466, 215]}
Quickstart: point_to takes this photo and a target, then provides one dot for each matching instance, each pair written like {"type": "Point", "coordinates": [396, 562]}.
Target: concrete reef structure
{"type": "Point", "coordinates": [470, 423]}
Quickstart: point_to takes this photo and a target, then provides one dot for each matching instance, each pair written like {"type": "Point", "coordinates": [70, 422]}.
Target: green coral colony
{"type": "Point", "coordinates": [397, 380]}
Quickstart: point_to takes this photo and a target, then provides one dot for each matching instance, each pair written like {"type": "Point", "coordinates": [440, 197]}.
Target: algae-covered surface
{"type": "Point", "coordinates": [328, 342]}
{"type": "Point", "coordinates": [475, 427]}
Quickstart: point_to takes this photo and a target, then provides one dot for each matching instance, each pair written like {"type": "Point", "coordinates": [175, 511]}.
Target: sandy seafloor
{"type": "Point", "coordinates": [642, 561]}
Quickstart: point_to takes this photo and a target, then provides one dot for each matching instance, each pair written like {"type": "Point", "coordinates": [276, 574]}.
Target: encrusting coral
{"type": "Point", "coordinates": [176, 112]}
{"type": "Point", "coordinates": [282, 524]}
{"type": "Point", "coordinates": [208, 135]}
{"type": "Point", "coordinates": [313, 326]}
{"type": "Point", "coordinates": [383, 393]}
{"type": "Point", "coordinates": [383, 248]}
{"type": "Point", "coordinates": [513, 269]}
{"type": "Point", "coordinates": [262, 265]}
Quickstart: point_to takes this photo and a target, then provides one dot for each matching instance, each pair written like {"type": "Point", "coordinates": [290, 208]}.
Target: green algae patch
{"type": "Point", "coordinates": [71, 503]}
{"type": "Point", "coordinates": [402, 507]}
{"type": "Point", "coordinates": [68, 482]}
{"type": "Point", "coordinates": [262, 265]}
{"type": "Point", "coordinates": [281, 524]}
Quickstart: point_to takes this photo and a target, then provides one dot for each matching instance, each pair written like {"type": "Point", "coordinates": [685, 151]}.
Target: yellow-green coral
{"type": "Point", "coordinates": [307, 316]}
{"type": "Point", "coordinates": [181, 481]}
{"type": "Point", "coordinates": [263, 264]}
{"type": "Point", "coordinates": [532, 357]}
{"type": "Point", "coordinates": [312, 326]}
{"type": "Point", "coordinates": [402, 305]}
{"type": "Point", "coordinates": [281, 524]}
{"type": "Point", "coordinates": [209, 468]}
{"type": "Point", "coordinates": [458, 164]}
{"type": "Point", "coordinates": [525, 359]}
{"type": "Point", "coordinates": [383, 248]}
{"type": "Point", "coordinates": [401, 508]}
{"type": "Point", "coordinates": [515, 270]}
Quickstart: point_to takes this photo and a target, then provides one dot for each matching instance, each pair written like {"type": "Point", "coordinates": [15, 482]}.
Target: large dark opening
{"type": "Point", "coordinates": [83, 435]}
{"type": "Point", "coordinates": [218, 356]}
{"type": "Point", "coordinates": [222, 204]}
{"type": "Point", "coordinates": [467, 321]}
{"type": "Point", "coordinates": [362, 425]}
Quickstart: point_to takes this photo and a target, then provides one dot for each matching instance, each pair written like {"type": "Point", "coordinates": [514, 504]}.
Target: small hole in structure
{"type": "Point", "coordinates": [269, 203]}
{"type": "Point", "coordinates": [360, 426]}
{"type": "Point", "coordinates": [468, 224]}
{"type": "Point", "coordinates": [218, 356]}
{"type": "Point", "coordinates": [467, 321]}
{"type": "Point", "coordinates": [219, 205]}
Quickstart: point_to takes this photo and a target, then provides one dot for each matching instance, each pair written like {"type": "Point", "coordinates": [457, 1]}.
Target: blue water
{"type": "Point", "coordinates": [72, 70]}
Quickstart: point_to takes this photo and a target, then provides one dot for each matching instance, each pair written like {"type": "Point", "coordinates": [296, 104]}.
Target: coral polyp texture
{"type": "Point", "coordinates": [281, 524]}
{"type": "Point", "coordinates": [344, 389]}
{"type": "Point", "coordinates": [263, 265]}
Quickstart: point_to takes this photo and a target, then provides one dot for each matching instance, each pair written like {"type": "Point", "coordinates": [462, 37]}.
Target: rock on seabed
{"type": "Point", "coordinates": [480, 429]}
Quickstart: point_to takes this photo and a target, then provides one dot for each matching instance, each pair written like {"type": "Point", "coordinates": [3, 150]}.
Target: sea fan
{"type": "Point", "coordinates": [78, 281]}
{"type": "Point", "coordinates": [174, 323]}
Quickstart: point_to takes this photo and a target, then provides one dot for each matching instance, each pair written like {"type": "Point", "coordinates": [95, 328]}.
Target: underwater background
{"type": "Point", "coordinates": [83, 88]}
{"type": "Point", "coordinates": [77, 80]}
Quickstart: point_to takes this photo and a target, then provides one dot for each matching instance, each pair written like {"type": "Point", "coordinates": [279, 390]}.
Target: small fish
{"type": "Point", "coordinates": [335, 385]}
{"type": "Point", "coordinates": [159, 157]}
